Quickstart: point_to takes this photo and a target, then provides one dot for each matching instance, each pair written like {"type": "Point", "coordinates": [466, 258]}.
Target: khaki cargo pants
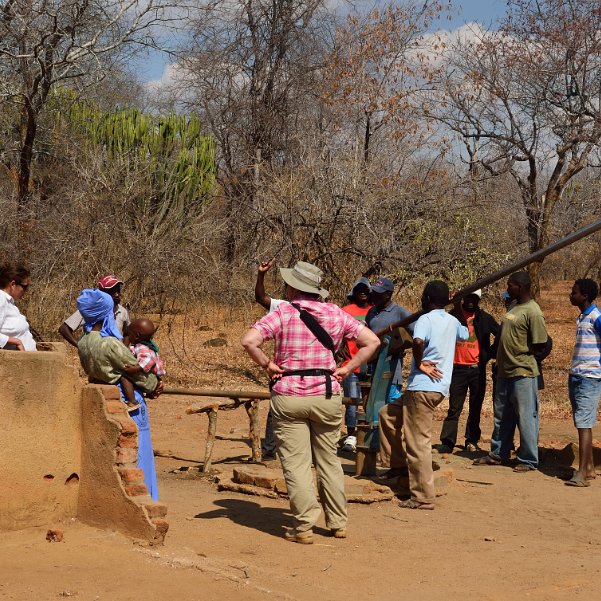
{"type": "Point", "coordinates": [306, 429]}
{"type": "Point", "coordinates": [410, 417]}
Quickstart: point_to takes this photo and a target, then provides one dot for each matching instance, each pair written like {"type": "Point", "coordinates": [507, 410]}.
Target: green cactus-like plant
{"type": "Point", "coordinates": [178, 158]}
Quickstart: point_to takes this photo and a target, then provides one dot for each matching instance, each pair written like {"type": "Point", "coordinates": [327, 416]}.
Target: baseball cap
{"type": "Point", "coordinates": [383, 285]}
{"type": "Point", "coordinates": [360, 281]}
{"type": "Point", "coordinates": [477, 293]}
{"type": "Point", "coordinates": [108, 281]}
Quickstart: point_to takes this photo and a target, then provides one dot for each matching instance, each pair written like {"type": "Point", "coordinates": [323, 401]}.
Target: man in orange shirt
{"type": "Point", "coordinates": [469, 373]}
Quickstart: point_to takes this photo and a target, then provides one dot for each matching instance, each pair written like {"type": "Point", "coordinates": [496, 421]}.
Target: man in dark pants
{"type": "Point", "coordinates": [469, 373]}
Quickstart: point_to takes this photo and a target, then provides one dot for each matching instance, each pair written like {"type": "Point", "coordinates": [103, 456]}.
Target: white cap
{"type": "Point", "coordinates": [478, 293]}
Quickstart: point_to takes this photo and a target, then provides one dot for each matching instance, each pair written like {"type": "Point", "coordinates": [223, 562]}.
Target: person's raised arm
{"type": "Point", "coordinates": [260, 296]}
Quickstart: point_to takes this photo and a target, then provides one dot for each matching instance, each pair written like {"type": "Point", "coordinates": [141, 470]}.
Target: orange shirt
{"type": "Point", "coordinates": [468, 352]}
{"type": "Point", "coordinates": [358, 313]}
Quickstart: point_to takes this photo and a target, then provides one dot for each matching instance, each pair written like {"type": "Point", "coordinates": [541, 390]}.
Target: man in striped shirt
{"type": "Point", "coordinates": [584, 383]}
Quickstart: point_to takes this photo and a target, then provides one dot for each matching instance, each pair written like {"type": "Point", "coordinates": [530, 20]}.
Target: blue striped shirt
{"type": "Point", "coordinates": [586, 357]}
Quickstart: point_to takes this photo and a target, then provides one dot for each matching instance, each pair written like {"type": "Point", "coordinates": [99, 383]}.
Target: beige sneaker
{"type": "Point", "coordinates": [338, 532]}
{"type": "Point", "coordinates": [303, 538]}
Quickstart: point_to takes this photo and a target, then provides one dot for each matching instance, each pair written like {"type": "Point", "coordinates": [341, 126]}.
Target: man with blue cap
{"type": "Point", "coordinates": [381, 316]}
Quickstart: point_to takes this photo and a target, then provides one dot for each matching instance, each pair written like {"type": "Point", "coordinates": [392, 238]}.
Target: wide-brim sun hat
{"type": "Point", "coordinates": [305, 277]}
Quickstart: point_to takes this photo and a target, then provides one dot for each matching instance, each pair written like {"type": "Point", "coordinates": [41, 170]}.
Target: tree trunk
{"type": "Point", "coordinates": [28, 134]}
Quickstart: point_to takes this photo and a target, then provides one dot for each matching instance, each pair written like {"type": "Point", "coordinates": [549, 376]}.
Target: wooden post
{"type": "Point", "coordinates": [252, 409]}
{"type": "Point", "coordinates": [210, 439]}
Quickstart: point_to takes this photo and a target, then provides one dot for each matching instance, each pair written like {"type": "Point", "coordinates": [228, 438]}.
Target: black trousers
{"type": "Point", "coordinates": [465, 379]}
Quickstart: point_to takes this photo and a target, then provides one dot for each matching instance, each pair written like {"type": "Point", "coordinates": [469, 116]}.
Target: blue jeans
{"type": "Point", "coordinates": [516, 404]}
{"type": "Point", "coordinates": [352, 390]}
{"type": "Point", "coordinates": [584, 396]}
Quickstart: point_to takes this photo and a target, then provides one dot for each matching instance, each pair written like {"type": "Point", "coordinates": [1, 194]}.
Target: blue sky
{"type": "Point", "coordinates": [464, 11]}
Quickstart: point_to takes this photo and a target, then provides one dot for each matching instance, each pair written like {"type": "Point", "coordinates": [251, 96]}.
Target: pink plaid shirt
{"type": "Point", "coordinates": [297, 348]}
{"type": "Point", "coordinates": [149, 360]}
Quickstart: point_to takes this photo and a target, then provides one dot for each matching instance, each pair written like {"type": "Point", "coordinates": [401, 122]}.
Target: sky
{"type": "Point", "coordinates": [486, 12]}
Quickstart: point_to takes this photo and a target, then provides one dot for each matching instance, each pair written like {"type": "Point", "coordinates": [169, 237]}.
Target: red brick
{"type": "Point", "coordinates": [128, 442]}
{"type": "Point", "coordinates": [156, 510]}
{"type": "Point", "coordinates": [128, 426]}
{"type": "Point", "coordinates": [126, 455]}
{"type": "Point", "coordinates": [161, 525]}
{"type": "Point", "coordinates": [131, 474]}
{"type": "Point", "coordinates": [115, 407]}
{"type": "Point", "coordinates": [135, 490]}
{"type": "Point", "coordinates": [110, 393]}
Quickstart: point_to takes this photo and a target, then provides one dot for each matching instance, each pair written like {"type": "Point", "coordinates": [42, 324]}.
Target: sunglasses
{"type": "Point", "coordinates": [24, 286]}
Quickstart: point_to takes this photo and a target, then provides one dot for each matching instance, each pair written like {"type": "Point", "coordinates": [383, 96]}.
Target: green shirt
{"type": "Point", "coordinates": [103, 358]}
{"type": "Point", "coordinates": [523, 326]}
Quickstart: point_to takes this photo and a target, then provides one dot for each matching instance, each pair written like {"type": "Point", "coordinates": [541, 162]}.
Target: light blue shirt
{"type": "Point", "coordinates": [440, 331]}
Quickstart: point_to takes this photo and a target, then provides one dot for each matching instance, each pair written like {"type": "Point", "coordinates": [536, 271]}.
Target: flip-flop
{"type": "Point", "coordinates": [522, 468]}
{"type": "Point", "coordinates": [132, 408]}
{"type": "Point", "coordinates": [578, 481]}
{"type": "Point", "coordinates": [486, 460]}
{"type": "Point", "coordinates": [411, 504]}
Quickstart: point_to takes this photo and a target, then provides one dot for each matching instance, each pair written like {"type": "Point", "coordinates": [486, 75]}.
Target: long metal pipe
{"type": "Point", "coordinates": [532, 258]}
{"type": "Point", "coordinates": [511, 268]}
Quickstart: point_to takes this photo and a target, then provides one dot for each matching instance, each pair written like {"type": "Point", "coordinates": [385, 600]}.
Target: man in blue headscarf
{"type": "Point", "coordinates": [103, 357]}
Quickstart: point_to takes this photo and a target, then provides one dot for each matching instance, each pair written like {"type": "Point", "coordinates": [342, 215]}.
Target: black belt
{"type": "Point", "coordinates": [314, 372]}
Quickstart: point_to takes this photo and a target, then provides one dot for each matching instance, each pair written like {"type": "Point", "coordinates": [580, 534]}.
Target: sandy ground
{"type": "Point", "coordinates": [496, 535]}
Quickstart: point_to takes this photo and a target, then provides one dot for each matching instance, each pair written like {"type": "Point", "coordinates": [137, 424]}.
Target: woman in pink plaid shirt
{"type": "Point", "coordinates": [305, 395]}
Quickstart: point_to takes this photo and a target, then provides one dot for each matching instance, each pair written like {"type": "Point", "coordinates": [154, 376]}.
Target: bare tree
{"type": "Point", "coordinates": [526, 100]}
{"type": "Point", "coordinates": [250, 64]}
{"type": "Point", "coordinates": [378, 64]}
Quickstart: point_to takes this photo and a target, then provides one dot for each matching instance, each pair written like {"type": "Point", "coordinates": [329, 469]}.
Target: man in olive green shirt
{"type": "Point", "coordinates": [523, 332]}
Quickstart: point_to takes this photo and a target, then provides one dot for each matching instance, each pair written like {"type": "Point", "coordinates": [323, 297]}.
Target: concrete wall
{"type": "Point", "coordinates": [40, 449]}
{"type": "Point", "coordinates": [68, 450]}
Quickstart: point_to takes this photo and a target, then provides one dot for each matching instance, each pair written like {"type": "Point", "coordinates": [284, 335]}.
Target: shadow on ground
{"type": "Point", "coordinates": [271, 520]}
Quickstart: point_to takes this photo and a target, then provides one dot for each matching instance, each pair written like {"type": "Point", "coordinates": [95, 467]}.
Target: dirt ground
{"type": "Point", "coordinates": [495, 536]}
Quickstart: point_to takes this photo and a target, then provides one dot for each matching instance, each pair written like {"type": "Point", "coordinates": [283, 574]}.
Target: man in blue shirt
{"type": "Point", "coordinates": [378, 318]}
{"type": "Point", "coordinates": [434, 336]}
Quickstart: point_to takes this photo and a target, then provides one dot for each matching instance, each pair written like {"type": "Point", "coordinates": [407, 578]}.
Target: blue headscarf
{"type": "Point", "coordinates": [96, 306]}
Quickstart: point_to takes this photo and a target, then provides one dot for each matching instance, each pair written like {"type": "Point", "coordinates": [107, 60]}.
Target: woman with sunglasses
{"type": "Point", "coordinates": [14, 328]}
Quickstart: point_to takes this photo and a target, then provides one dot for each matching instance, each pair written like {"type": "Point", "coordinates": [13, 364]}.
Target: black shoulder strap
{"type": "Point", "coordinates": [315, 328]}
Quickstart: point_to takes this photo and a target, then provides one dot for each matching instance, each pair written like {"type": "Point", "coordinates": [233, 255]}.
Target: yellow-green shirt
{"type": "Point", "coordinates": [103, 358]}
{"type": "Point", "coordinates": [523, 326]}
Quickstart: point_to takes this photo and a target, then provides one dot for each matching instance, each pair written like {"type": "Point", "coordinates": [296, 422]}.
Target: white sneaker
{"type": "Point", "coordinates": [350, 444]}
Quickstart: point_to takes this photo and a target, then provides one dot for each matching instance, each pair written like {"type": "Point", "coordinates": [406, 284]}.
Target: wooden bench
{"type": "Point", "coordinates": [226, 400]}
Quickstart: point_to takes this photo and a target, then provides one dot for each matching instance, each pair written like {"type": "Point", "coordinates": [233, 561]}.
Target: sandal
{"type": "Point", "coordinates": [132, 408]}
{"type": "Point", "coordinates": [487, 460]}
{"type": "Point", "coordinates": [578, 481]}
{"type": "Point", "coordinates": [411, 504]}
{"type": "Point", "coordinates": [522, 468]}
